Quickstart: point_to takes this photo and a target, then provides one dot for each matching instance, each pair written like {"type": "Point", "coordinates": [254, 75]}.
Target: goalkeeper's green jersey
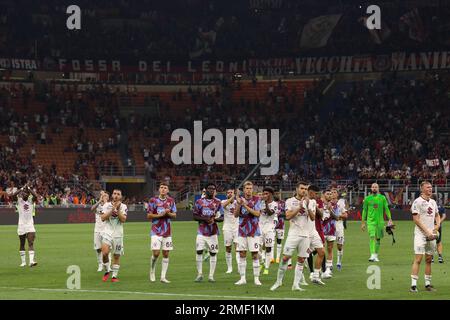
{"type": "Point", "coordinates": [374, 207]}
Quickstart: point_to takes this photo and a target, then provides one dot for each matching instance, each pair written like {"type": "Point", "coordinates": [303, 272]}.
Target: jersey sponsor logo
{"type": "Point", "coordinates": [26, 207]}
{"type": "Point", "coordinates": [375, 206]}
{"type": "Point", "coordinates": [430, 210]}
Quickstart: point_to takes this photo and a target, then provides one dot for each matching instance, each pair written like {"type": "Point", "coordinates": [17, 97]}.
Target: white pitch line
{"type": "Point", "coordinates": [155, 293]}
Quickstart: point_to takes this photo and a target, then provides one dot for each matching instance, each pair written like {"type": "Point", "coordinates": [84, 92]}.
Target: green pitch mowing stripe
{"type": "Point", "coordinates": [60, 246]}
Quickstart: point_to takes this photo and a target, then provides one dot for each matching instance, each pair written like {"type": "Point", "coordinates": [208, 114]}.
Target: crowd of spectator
{"type": "Point", "coordinates": [368, 130]}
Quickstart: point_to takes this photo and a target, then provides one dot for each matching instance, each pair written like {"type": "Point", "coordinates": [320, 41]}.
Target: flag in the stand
{"type": "Point", "coordinates": [432, 162]}
{"type": "Point", "coordinates": [416, 28]}
{"type": "Point", "coordinates": [318, 30]}
{"type": "Point", "coordinates": [378, 36]}
{"type": "Point", "coordinates": [446, 164]}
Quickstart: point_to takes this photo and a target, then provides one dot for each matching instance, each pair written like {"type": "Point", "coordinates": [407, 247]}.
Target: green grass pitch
{"type": "Point", "coordinates": [59, 246]}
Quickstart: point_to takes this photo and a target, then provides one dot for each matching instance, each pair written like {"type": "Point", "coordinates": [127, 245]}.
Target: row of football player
{"type": "Point", "coordinates": [250, 222]}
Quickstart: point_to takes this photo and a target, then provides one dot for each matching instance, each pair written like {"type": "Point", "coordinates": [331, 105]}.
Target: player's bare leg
{"type": "Point", "coordinates": [165, 266]}
{"type": "Point", "coordinates": [415, 272]}
{"type": "Point", "coordinates": [106, 261]}
{"type": "Point", "coordinates": [30, 238]}
{"type": "Point", "coordinates": [229, 259]}
{"type": "Point", "coordinates": [153, 260]}
{"type": "Point", "coordinates": [115, 268]}
{"type": "Point", "coordinates": [439, 251]}
{"type": "Point", "coordinates": [318, 265]}
{"type": "Point", "coordinates": [23, 253]}
{"type": "Point", "coordinates": [281, 272]}
{"type": "Point", "coordinates": [329, 263]}
{"type": "Point", "coordinates": [242, 266]}
{"type": "Point", "coordinates": [199, 263]}
{"type": "Point", "coordinates": [256, 268]}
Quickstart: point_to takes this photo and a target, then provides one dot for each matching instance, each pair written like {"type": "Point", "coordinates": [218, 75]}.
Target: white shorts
{"type": "Point", "coordinates": [280, 234]}
{"type": "Point", "coordinates": [422, 246]}
{"type": "Point", "coordinates": [299, 243]}
{"type": "Point", "coordinates": [330, 238]}
{"type": "Point", "coordinates": [248, 243]}
{"type": "Point", "coordinates": [230, 237]}
{"type": "Point", "coordinates": [25, 228]}
{"type": "Point", "coordinates": [210, 243]}
{"type": "Point", "coordinates": [268, 238]}
{"type": "Point", "coordinates": [315, 241]}
{"type": "Point", "coordinates": [114, 243]}
{"type": "Point", "coordinates": [161, 243]}
{"type": "Point", "coordinates": [340, 234]}
{"type": "Point", "coordinates": [97, 240]}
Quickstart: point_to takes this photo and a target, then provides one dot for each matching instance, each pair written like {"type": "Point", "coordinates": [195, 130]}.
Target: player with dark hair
{"type": "Point", "coordinates": [26, 198]}
{"type": "Point", "coordinates": [114, 216]}
{"type": "Point", "coordinates": [267, 221]}
{"type": "Point", "coordinates": [279, 228]}
{"type": "Point", "coordinates": [207, 211]}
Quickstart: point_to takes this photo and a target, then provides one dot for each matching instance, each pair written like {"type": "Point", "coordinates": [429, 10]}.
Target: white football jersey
{"type": "Point", "coordinates": [99, 224]}
{"type": "Point", "coordinates": [266, 220]}
{"type": "Point", "coordinates": [25, 209]}
{"type": "Point", "coordinates": [342, 209]}
{"type": "Point", "coordinates": [113, 227]}
{"type": "Point", "coordinates": [427, 211]}
{"type": "Point", "coordinates": [301, 224]}
{"type": "Point", "coordinates": [230, 222]}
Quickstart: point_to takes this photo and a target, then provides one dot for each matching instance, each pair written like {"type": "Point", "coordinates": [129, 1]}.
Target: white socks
{"type": "Point", "coordinates": [427, 280]}
{"type": "Point", "coordinates": [340, 254]}
{"type": "Point", "coordinates": [115, 270]}
{"type": "Point", "coordinates": [267, 262]}
{"type": "Point", "coordinates": [279, 246]}
{"type": "Point", "coordinates": [31, 255]}
{"type": "Point", "coordinates": [256, 268]}
{"type": "Point", "coordinates": [99, 258]}
{"type": "Point", "coordinates": [243, 267]}
{"type": "Point", "coordinates": [23, 256]}
{"type": "Point", "coordinates": [212, 265]}
{"type": "Point", "coordinates": [229, 260]}
{"type": "Point", "coordinates": [199, 263]}
{"type": "Point", "coordinates": [153, 260]}
{"type": "Point", "coordinates": [281, 271]}
{"type": "Point", "coordinates": [414, 280]}
{"type": "Point", "coordinates": [329, 264]}
{"type": "Point", "coordinates": [165, 266]}
{"type": "Point", "coordinates": [298, 273]}
{"type": "Point", "coordinates": [316, 274]}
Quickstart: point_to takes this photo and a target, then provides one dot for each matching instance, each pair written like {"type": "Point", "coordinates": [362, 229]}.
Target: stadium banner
{"type": "Point", "coordinates": [308, 65]}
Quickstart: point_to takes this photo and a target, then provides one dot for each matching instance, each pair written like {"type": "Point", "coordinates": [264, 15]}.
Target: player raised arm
{"type": "Point", "coordinates": [33, 193]}
{"type": "Point", "coordinates": [121, 214]}
{"type": "Point", "coordinates": [95, 206]}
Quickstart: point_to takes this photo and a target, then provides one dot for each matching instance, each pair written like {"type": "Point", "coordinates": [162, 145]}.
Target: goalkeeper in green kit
{"type": "Point", "coordinates": [374, 207]}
